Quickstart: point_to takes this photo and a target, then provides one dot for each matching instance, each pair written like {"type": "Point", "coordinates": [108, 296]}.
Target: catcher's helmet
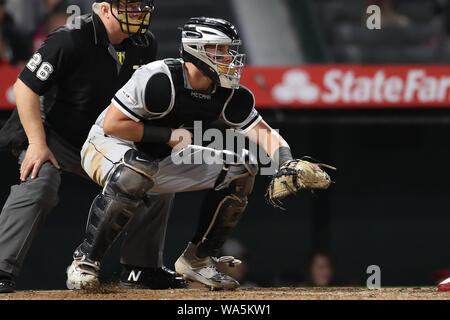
{"type": "Point", "coordinates": [200, 32]}
{"type": "Point", "coordinates": [134, 17]}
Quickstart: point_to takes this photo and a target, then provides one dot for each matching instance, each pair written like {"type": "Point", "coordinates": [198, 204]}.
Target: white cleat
{"type": "Point", "coordinates": [204, 270]}
{"type": "Point", "coordinates": [82, 274]}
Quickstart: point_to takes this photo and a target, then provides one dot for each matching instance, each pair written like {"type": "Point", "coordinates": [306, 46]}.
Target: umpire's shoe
{"type": "Point", "coordinates": [151, 278]}
{"type": "Point", "coordinates": [7, 283]}
{"type": "Point", "coordinates": [82, 274]}
{"type": "Point", "coordinates": [204, 270]}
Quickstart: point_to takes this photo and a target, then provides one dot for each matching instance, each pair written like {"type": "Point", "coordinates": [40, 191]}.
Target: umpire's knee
{"type": "Point", "coordinates": [43, 190]}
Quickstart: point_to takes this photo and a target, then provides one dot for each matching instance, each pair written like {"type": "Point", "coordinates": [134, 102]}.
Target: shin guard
{"type": "Point", "coordinates": [227, 206]}
{"type": "Point", "coordinates": [112, 210]}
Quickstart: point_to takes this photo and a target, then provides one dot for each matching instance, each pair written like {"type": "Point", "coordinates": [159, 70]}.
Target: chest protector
{"type": "Point", "coordinates": [189, 106]}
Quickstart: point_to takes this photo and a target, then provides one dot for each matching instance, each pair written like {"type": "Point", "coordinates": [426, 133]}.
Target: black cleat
{"type": "Point", "coordinates": [7, 285]}
{"type": "Point", "coordinates": [151, 278]}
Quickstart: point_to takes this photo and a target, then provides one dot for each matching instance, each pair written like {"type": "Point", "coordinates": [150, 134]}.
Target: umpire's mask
{"type": "Point", "coordinates": [134, 17]}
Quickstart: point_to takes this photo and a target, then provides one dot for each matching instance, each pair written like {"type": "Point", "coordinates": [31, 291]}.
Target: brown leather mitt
{"type": "Point", "coordinates": [294, 176]}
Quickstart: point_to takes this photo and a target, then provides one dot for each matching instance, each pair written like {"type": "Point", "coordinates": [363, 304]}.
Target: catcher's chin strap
{"type": "Point", "coordinates": [292, 174]}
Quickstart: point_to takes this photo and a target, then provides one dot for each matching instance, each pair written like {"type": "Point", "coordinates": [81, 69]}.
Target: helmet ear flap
{"type": "Point", "coordinates": [206, 69]}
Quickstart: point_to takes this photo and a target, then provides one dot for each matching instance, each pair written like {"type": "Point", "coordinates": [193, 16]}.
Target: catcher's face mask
{"type": "Point", "coordinates": [134, 17]}
{"type": "Point", "coordinates": [228, 62]}
{"type": "Point", "coordinates": [212, 45]}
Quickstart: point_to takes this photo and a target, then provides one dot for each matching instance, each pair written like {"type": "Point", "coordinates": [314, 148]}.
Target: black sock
{"type": "Point", "coordinates": [207, 211]}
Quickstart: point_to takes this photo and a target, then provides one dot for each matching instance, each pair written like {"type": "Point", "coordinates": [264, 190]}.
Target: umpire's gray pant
{"type": "Point", "coordinates": [31, 201]}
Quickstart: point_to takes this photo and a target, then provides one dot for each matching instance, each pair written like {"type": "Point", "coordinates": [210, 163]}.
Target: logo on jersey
{"type": "Point", "coordinates": [201, 96]}
{"type": "Point", "coordinates": [121, 56]}
{"type": "Point", "coordinates": [45, 69]}
{"type": "Point", "coordinates": [129, 97]}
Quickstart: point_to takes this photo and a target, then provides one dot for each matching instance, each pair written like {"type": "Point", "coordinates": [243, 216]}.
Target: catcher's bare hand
{"type": "Point", "coordinates": [180, 138]}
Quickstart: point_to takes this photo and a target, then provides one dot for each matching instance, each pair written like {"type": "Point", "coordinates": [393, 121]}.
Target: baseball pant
{"type": "Point", "coordinates": [191, 169]}
{"type": "Point", "coordinates": [29, 203]}
{"type": "Point", "coordinates": [101, 154]}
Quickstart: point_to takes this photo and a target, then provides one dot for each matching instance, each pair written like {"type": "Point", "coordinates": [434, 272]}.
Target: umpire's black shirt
{"type": "Point", "coordinates": [84, 71]}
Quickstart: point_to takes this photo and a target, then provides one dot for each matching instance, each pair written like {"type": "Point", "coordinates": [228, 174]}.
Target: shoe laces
{"type": "Point", "coordinates": [87, 266]}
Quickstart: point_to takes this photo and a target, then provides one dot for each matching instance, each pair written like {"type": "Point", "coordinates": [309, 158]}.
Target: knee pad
{"type": "Point", "coordinates": [242, 184]}
{"type": "Point", "coordinates": [250, 162]}
{"type": "Point", "coordinates": [243, 174]}
{"type": "Point", "coordinates": [133, 178]}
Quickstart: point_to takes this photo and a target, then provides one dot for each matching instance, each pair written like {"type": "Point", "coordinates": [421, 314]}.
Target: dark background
{"type": "Point", "coordinates": [389, 205]}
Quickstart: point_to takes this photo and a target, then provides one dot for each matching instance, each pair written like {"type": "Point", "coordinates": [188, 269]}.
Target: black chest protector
{"type": "Point", "coordinates": [189, 106]}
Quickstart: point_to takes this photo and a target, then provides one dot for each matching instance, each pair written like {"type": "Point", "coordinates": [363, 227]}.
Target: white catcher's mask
{"type": "Point", "coordinates": [213, 46]}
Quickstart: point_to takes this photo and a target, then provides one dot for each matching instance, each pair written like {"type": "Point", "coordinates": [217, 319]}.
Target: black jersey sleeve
{"type": "Point", "coordinates": [153, 47]}
{"type": "Point", "coordinates": [239, 111]}
{"type": "Point", "coordinates": [49, 62]}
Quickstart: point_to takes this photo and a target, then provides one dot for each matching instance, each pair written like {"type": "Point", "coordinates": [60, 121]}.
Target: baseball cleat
{"type": "Point", "coordinates": [82, 274]}
{"type": "Point", "coordinates": [151, 278]}
{"type": "Point", "coordinates": [444, 285]}
{"type": "Point", "coordinates": [204, 270]}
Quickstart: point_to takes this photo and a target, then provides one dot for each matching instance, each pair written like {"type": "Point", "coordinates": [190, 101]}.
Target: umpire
{"type": "Point", "coordinates": [59, 94]}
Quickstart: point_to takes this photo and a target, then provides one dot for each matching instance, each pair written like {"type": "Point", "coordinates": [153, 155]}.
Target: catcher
{"type": "Point", "coordinates": [130, 151]}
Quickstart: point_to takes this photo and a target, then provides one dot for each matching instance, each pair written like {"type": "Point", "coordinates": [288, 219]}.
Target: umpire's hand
{"type": "Point", "coordinates": [35, 156]}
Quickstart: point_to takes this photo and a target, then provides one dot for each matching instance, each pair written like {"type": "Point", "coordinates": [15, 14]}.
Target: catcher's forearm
{"type": "Point", "coordinates": [281, 155]}
{"type": "Point", "coordinates": [274, 144]}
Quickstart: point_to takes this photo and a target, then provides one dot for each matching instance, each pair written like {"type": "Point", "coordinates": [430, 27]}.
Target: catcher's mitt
{"type": "Point", "coordinates": [294, 176]}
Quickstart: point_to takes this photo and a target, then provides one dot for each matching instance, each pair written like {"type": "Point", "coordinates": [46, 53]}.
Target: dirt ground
{"type": "Point", "coordinates": [110, 292]}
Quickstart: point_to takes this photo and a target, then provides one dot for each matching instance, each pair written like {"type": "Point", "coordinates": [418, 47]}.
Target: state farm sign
{"type": "Point", "coordinates": [326, 86]}
{"type": "Point", "coordinates": [350, 86]}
